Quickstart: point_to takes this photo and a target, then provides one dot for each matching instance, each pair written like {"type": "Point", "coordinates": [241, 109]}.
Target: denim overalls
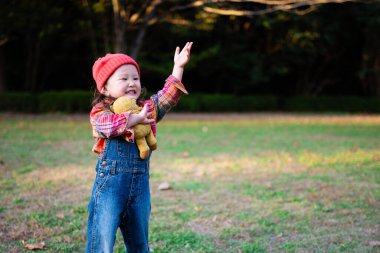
{"type": "Point", "coordinates": [120, 199]}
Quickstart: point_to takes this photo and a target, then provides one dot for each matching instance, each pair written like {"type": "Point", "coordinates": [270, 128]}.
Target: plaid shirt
{"type": "Point", "coordinates": [106, 124]}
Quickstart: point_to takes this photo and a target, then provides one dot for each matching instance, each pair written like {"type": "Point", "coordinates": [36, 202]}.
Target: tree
{"type": "Point", "coordinates": [303, 50]}
{"type": "Point", "coordinates": [35, 28]}
{"type": "Point", "coordinates": [370, 66]}
{"type": "Point", "coordinates": [249, 8]}
{"type": "Point", "coordinates": [127, 17]}
{"type": "Point", "coordinates": [259, 46]}
{"type": "Point", "coordinates": [2, 64]}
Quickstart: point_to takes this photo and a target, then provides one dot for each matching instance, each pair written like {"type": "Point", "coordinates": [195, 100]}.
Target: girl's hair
{"type": "Point", "coordinates": [100, 98]}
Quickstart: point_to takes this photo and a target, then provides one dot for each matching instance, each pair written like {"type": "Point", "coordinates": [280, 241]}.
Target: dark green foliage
{"type": "Point", "coordinates": [332, 104]}
{"type": "Point", "coordinates": [226, 103]}
{"type": "Point", "coordinates": [18, 102]}
{"type": "Point", "coordinates": [80, 101]}
{"type": "Point", "coordinates": [258, 103]}
{"type": "Point", "coordinates": [331, 51]}
{"type": "Point", "coordinates": [215, 103]}
{"type": "Point", "coordinates": [65, 101]}
{"type": "Point", "coordinates": [192, 103]}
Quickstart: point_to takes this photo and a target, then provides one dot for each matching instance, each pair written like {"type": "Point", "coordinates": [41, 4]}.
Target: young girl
{"type": "Point", "coordinates": [120, 196]}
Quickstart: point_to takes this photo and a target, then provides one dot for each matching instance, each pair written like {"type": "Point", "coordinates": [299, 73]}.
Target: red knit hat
{"type": "Point", "coordinates": [105, 66]}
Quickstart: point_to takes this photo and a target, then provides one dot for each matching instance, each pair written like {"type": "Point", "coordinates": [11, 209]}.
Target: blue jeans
{"type": "Point", "coordinates": [120, 199]}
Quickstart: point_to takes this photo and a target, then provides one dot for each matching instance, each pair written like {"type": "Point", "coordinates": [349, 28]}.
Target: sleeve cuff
{"type": "Point", "coordinates": [177, 83]}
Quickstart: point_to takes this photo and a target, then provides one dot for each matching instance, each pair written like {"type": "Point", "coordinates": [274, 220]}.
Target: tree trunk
{"type": "Point", "coordinates": [32, 63]}
{"type": "Point", "coordinates": [28, 62]}
{"type": "Point", "coordinates": [35, 67]}
{"type": "Point", "coordinates": [119, 27]}
{"type": "Point", "coordinates": [376, 73]}
{"type": "Point", "coordinates": [150, 11]}
{"type": "Point", "coordinates": [107, 46]}
{"type": "Point", "coordinates": [94, 47]}
{"type": "Point", "coordinates": [2, 69]}
{"type": "Point", "coordinates": [138, 43]}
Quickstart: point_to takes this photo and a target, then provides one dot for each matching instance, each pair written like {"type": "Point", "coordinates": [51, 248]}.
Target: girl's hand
{"type": "Point", "coordinates": [140, 118]}
{"type": "Point", "coordinates": [145, 115]}
{"type": "Point", "coordinates": [183, 57]}
{"type": "Point", "coordinates": [180, 60]}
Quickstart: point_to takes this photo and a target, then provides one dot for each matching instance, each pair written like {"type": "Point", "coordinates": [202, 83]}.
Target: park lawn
{"type": "Point", "coordinates": [240, 183]}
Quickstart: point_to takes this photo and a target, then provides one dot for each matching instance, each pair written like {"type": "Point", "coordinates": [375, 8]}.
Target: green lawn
{"type": "Point", "coordinates": [241, 183]}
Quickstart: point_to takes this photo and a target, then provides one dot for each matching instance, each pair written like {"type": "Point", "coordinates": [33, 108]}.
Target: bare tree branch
{"type": "Point", "coordinates": [270, 6]}
{"type": "Point", "coordinates": [283, 2]}
{"type": "Point", "coordinates": [188, 6]}
{"type": "Point", "coordinates": [150, 11]}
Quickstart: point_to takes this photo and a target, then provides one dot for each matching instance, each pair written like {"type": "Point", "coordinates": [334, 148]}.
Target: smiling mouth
{"type": "Point", "coordinates": [131, 92]}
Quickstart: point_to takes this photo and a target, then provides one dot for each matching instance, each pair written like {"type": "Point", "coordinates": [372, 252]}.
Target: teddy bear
{"type": "Point", "coordinates": [144, 137]}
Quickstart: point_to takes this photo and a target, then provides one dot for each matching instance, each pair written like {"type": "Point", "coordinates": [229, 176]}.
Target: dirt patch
{"type": "Point", "coordinates": [201, 228]}
{"type": "Point", "coordinates": [44, 191]}
{"type": "Point", "coordinates": [224, 167]}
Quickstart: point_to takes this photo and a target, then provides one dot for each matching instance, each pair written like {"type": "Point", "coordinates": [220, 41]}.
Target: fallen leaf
{"type": "Point", "coordinates": [372, 201]}
{"type": "Point", "coordinates": [268, 185]}
{"type": "Point", "coordinates": [60, 216]}
{"type": "Point", "coordinates": [67, 239]}
{"type": "Point", "coordinates": [164, 186]}
{"type": "Point", "coordinates": [185, 154]}
{"type": "Point", "coordinates": [374, 243]}
{"type": "Point", "coordinates": [35, 246]}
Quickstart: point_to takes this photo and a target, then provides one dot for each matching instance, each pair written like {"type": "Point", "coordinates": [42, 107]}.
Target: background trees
{"type": "Point", "coordinates": [242, 47]}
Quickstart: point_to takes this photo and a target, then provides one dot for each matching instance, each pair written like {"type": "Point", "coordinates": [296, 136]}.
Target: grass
{"type": "Point", "coordinates": [250, 183]}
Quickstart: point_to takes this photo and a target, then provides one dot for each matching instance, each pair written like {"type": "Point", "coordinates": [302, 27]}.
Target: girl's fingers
{"type": "Point", "coordinates": [148, 121]}
{"type": "Point", "coordinates": [186, 48]}
{"type": "Point", "coordinates": [144, 110]}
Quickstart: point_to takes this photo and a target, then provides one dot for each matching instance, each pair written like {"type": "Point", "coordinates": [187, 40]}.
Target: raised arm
{"type": "Point", "coordinates": [173, 89]}
{"type": "Point", "coordinates": [181, 59]}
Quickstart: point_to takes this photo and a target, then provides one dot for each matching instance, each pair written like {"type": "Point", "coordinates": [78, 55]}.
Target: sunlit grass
{"type": "Point", "coordinates": [251, 183]}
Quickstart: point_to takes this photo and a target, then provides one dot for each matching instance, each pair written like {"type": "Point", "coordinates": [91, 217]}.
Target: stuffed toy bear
{"type": "Point", "coordinates": [144, 137]}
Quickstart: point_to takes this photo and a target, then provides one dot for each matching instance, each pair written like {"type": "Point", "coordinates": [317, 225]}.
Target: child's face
{"type": "Point", "coordinates": [124, 81]}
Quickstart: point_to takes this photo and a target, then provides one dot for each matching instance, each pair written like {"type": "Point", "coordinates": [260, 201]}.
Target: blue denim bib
{"type": "Point", "coordinates": [120, 199]}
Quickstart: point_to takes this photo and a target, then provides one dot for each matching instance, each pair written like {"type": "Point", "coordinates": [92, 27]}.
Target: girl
{"type": "Point", "coordinates": [120, 196]}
